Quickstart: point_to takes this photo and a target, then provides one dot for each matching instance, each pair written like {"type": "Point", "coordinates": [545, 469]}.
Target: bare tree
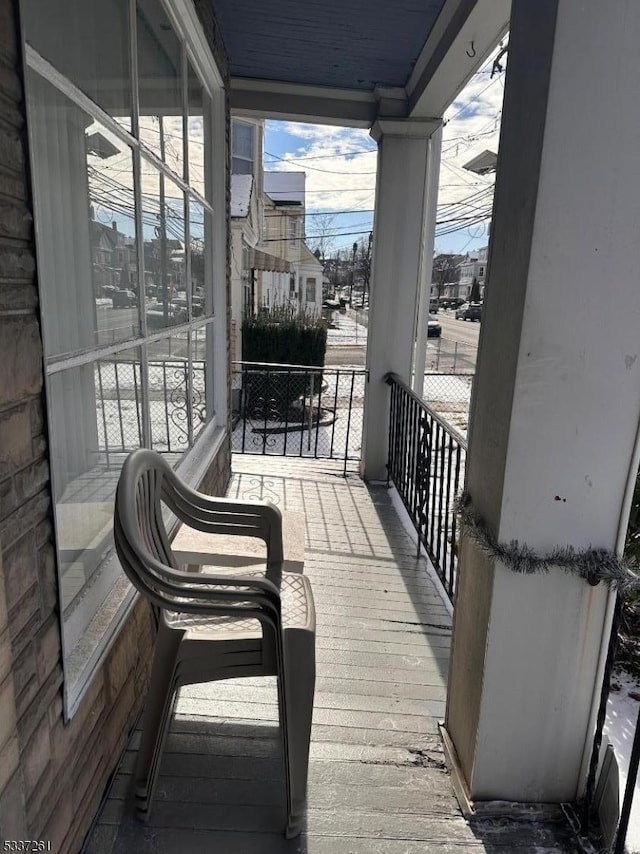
{"type": "Point", "coordinates": [323, 228]}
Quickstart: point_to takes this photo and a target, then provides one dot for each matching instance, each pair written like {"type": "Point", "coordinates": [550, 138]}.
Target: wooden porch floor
{"type": "Point", "coordinates": [377, 783]}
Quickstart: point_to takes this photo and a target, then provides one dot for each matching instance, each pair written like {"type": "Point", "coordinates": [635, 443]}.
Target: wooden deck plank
{"type": "Point", "coordinates": [377, 780]}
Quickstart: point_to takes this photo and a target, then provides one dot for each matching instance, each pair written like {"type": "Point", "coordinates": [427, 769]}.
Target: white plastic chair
{"type": "Point", "coordinates": [211, 626]}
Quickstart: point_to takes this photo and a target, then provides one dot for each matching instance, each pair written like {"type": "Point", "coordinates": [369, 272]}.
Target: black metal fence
{"type": "Point", "coordinates": [426, 465]}
{"type": "Point", "coordinates": [299, 411]}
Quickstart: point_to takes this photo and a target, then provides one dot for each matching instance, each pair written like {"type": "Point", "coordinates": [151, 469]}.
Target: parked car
{"type": "Point", "coordinates": [157, 319]}
{"type": "Point", "coordinates": [123, 298]}
{"type": "Point", "coordinates": [434, 330]}
{"type": "Point", "coordinates": [469, 311]}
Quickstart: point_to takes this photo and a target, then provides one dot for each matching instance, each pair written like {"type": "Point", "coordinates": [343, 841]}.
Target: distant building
{"type": "Point", "coordinates": [474, 266]}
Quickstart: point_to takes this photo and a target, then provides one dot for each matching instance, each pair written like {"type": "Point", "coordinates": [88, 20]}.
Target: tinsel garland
{"type": "Point", "coordinates": [593, 565]}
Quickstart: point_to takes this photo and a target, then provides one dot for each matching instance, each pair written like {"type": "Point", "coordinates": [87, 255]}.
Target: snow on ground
{"type": "Point", "coordinates": [344, 330]}
{"type": "Point", "coordinates": [620, 726]}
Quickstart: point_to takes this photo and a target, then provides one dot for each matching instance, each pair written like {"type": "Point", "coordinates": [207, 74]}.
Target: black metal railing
{"type": "Point", "coordinates": [426, 465]}
{"type": "Point", "coordinates": [297, 410]}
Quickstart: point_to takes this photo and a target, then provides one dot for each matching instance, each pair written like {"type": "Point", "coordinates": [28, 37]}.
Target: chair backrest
{"type": "Point", "coordinates": [143, 546]}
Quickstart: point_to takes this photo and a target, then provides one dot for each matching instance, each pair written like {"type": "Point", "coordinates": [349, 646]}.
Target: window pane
{"type": "Point", "coordinates": [243, 137]}
{"type": "Point", "coordinates": [171, 426]}
{"type": "Point", "coordinates": [201, 283]}
{"type": "Point", "coordinates": [198, 138]}
{"type": "Point", "coordinates": [87, 251]}
{"type": "Point", "coordinates": [160, 84]}
{"type": "Point", "coordinates": [95, 417]}
{"type": "Point", "coordinates": [87, 41]}
{"type": "Point", "coordinates": [164, 250]}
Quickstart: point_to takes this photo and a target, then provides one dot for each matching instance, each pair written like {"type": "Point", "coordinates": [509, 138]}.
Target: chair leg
{"type": "Point", "coordinates": [157, 715]}
{"type": "Point", "coordinates": [296, 691]}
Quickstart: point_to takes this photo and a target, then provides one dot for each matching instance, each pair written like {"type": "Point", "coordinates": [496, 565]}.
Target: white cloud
{"type": "Point", "coordinates": [341, 174]}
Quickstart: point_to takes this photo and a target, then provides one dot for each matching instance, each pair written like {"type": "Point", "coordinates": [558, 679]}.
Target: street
{"type": "Point", "coordinates": [464, 331]}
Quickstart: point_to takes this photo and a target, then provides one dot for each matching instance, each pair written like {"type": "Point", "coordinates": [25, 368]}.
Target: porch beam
{"type": "Point", "coordinates": [556, 401]}
{"type": "Point", "coordinates": [299, 102]}
{"type": "Point", "coordinates": [444, 66]}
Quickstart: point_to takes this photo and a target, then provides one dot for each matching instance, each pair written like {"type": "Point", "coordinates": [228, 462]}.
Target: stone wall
{"type": "Point", "coordinates": [52, 774]}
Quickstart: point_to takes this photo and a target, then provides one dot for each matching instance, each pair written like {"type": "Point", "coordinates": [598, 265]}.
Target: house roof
{"type": "Point", "coordinates": [307, 255]}
{"type": "Point", "coordinates": [285, 188]}
{"type": "Point", "coordinates": [241, 187]}
{"type": "Point", "coordinates": [356, 44]}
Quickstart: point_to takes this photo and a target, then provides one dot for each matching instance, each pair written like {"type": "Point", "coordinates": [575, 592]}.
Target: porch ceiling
{"type": "Point", "coordinates": [350, 44]}
{"type": "Point", "coordinates": [350, 62]}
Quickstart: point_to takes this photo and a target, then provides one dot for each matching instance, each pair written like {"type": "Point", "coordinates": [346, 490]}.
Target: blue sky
{"type": "Point", "coordinates": [340, 167]}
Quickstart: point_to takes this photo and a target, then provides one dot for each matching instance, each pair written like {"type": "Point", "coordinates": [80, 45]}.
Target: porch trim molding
{"type": "Point", "coordinates": [299, 102]}
{"type": "Point", "coordinates": [405, 128]}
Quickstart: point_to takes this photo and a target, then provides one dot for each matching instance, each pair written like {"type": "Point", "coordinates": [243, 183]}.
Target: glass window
{"type": "Point", "coordinates": [199, 112]}
{"type": "Point", "coordinates": [95, 417]}
{"type": "Point", "coordinates": [160, 84]}
{"type": "Point", "coordinates": [242, 147]}
{"type": "Point", "coordinates": [311, 290]}
{"type": "Point", "coordinates": [88, 42]}
{"type": "Point", "coordinates": [126, 272]}
{"type": "Point", "coordinates": [202, 390]}
{"type": "Point", "coordinates": [164, 250]}
{"type": "Point", "coordinates": [168, 394]}
{"type": "Point", "coordinates": [85, 212]}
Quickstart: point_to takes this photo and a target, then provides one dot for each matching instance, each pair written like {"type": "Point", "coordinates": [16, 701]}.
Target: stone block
{"type": "Point", "coordinates": [18, 263]}
{"type": "Point", "coordinates": [5, 654]}
{"type": "Point", "coordinates": [121, 719]}
{"type": "Point", "coordinates": [31, 717]}
{"type": "Point", "coordinates": [9, 760]}
{"type": "Point", "coordinates": [15, 439]}
{"type": "Point", "coordinates": [12, 812]}
{"type": "Point", "coordinates": [20, 353]}
{"type": "Point", "coordinates": [60, 820]}
{"type": "Point", "coordinates": [122, 660]}
{"type": "Point", "coordinates": [31, 480]}
{"type": "Point", "coordinates": [38, 419]}
{"type": "Point", "coordinates": [4, 614]}
{"type": "Point", "coordinates": [7, 497]}
{"type": "Point", "coordinates": [44, 531]}
{"type": "Point", "coordinates": [48, 648]}
{"type": "Point", "coordinates": [35, 754]}
{"type": "Point", "coordinates": [11, 151]}
{"type": "Point", "coordinates": [20, 568]}
{"type": "Point", "coordinates": [48, 579]}
{"type": "Point", "coordinates": [68, 740]}
{"type": "Point", "coordinates": [15, 219]}
{"type": "Point", "coordinates": [40, 445]}
{"type": "Point", "coordinates": [24, 619]}
{"type": "Point", "coordinates": [29, 515]}
{"type": "Point", "coordinates": [7, 713]}
{"type": "Point", "coordinates": [8, 37]}
{"type": "Point", "coordinates": [25, 677]}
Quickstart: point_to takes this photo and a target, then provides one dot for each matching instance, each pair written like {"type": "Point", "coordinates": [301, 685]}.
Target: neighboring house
{"type": "Point", "coordinates": [474, 266]}
{"type": "Point", "coordinates": [254, 271]}
{"type": "Point", "coordinates": [244, 237]}
{"type": "Point", "coordinates": [284, 234]}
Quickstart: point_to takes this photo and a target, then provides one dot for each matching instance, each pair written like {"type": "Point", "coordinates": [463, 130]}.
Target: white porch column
{"type": "Point", "coordinates": [557, 397]}
{"type": "Point", "coordinates": [402, 178]}
{"type": "Point", "coordinates": [426, 262]}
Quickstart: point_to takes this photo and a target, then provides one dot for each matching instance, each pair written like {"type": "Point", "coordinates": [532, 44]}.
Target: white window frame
{"type": "Point", "coordinates": [253, 159]}
{"type": "Point", "coordinates": [113, 614]}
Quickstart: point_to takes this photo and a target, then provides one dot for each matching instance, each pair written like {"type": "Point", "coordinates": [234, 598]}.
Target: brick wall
{"type": "Point", "coordinates": [52, 774]}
